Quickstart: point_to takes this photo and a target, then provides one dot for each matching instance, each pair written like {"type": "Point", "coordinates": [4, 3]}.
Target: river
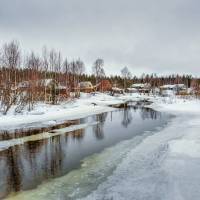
{"type": "Point", "coordinates": [71, 162]}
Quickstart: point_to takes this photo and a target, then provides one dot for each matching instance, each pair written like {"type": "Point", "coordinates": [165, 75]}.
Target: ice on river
{"type": "Point", "coordinates": [164, 166]}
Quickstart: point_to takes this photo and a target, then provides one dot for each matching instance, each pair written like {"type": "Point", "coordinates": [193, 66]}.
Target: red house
{"type": "Point", "coordinates": [104, 86]}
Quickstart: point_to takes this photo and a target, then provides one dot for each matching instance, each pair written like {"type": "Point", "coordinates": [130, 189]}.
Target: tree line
{"type": "Point", "coordinates": [24, 77]}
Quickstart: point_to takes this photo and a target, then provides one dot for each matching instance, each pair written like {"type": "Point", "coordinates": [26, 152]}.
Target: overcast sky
{"type": "Point", "coordinates": [147, 36]}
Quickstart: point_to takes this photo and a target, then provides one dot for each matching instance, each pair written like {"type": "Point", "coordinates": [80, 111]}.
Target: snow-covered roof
{"type": "Point", "coordinates": [86, 84]}
{"type": "Point", "coordinates": [168, 86]}
{"type": "Point", "coordinates": [180, 85]}
{"type": "Point", "coordinates": [46, 82]}
{"type": "Point", "coordinates": [62, 87]}
{"type": "Point", "coordinates": [140, 85]}
{"type": "Point", "coordinates": [117, 89]}
{"type": "Point", "coordinates": [132, 89]}
{"type": "Point", "coordinates": [172, 86]}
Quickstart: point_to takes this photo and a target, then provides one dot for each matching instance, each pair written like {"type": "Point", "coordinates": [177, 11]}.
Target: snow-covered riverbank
{"type": "Point", "coordinates": [165, 165]}
{"type": "Point", "coordinates": [160, 165]}
{"type": "Point", "coordinates": [45, 114]}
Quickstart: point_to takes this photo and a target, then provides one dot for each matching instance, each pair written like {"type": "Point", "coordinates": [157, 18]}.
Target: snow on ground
{"type": "Point", "coordinates": [45, 114]}
{"type": "Point", "coordinates": [165, 165]}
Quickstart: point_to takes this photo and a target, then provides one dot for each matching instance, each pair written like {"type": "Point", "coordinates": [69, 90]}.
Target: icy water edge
{"type": "Point", "coordinates": [71, 164]}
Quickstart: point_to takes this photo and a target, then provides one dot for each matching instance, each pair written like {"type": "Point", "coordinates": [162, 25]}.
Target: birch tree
{"type": "Point", "coordinates": [126, 74]}
{"type": "Point", "coordinates": [98, 70]}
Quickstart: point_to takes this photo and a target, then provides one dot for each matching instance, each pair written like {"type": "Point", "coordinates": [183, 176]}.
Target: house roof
{"type": "Point", "coordinates": [172, 86]}
{"type": "Point", "coordinates": [117, 89]}
{"type": "Point", "coordinates": [140, 85]}
{"type": "Point", "coordinates": [86, 84]}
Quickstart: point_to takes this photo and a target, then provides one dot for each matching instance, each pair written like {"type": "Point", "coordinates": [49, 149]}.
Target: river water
{"type": "Point", "coordinates": [71, 162]}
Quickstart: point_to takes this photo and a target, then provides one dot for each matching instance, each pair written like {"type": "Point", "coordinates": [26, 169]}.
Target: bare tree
{"type": "Point", "coordinates": [126, 74]}
{"type": "Point", "coordinates": [45, 67]}
{"type": "Point", "coordinates": [80, 68]}
{"type": "Point", "coordinates": [10, 61]}
{"type": "Point", "coordinates": [33, 65]}
{"type": "Point", "coordinates": [66, 70]}
{"type": "Point", "coordinates": [98, 70]}
{"type": "Point", "coordinates": [53, 63]}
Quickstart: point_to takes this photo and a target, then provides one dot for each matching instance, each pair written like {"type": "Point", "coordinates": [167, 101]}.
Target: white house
{"type": "Point", "coordinates": [169, 90]}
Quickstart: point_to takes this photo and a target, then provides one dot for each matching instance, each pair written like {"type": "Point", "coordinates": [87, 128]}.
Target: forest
{"type": "Point", "coordinates": [28, 78]}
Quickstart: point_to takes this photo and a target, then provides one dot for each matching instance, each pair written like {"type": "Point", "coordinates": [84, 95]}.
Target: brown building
{"type": "Point", "coordinates": [86, 87]}
{"type": "Point", "coordinates": [104, 86]}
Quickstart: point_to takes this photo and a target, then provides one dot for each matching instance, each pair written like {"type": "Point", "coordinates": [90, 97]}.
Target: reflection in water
{"type": "Point", "coordinates": [147, 113]}
{"type": "Point", "coordinates": [25, 166]}
{"type": "Point", "coordinates": [127, 117]}
{"type": "Point", "coordinates": [98, 129]}
{"type": "Point", "coordinates": [78, 134]}
{"type": "Point", "coordinates": [13, 172]}
{"type": "Point", "coordinates": [19, 133]}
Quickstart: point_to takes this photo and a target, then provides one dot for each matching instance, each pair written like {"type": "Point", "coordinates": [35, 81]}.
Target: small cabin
{"type": "Point", "coordinates": [116, 90]}
{"type": "Point", "coordinates": [104, 86]}
{"type": "Point", "coordinates": [170, 90]}
{"type": "Point", "coordinates": [86, 87]}
{"type": "Point", "coordinates": [139, 88]}
{"type": "Point", "coordinates": [49, 89]}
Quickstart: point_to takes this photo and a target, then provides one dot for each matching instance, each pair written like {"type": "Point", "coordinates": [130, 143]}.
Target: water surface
{"type": "Point", "coordinates": [65, 164]}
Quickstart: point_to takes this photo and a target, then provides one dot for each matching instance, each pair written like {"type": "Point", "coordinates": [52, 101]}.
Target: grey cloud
{"type": "Point", "coordinates": [147, 36]}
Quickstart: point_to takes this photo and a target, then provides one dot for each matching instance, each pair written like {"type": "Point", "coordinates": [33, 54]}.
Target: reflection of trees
{"type": "Point", "coordinates": [56, 155]}
{"type": "Point", "coordinates": [27, 165]}
{"type": "Point", "coordinates": [4, 135]}
{"type": "Point", "coordinates": [127, 117]}
{"type": "Point", "coordinates": [78, 134]}
{"type": "Point", "coordinates": [98, 128]}
{"type": "Point", "coordinates": [53, 157]}
{"type": "Point", "coordinates": [148, 113]}
{"type": "Point", "coordinates": [13, 169]}
{"type": "Point", "coordinates": [101, 117]}
{"type": "Point", "coordinates": [32, 149]}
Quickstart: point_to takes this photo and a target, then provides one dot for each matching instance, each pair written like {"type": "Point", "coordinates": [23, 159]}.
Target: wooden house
{"type": "Point", "coordinates": [104, 86]}
{"type": "Point", "coordinates": [86, 87]}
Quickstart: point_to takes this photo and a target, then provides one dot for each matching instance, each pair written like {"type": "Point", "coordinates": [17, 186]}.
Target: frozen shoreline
{"type": "Point", "coordinates": [44, 114]}
{"type": "Point", "coordinates": [165, 165]}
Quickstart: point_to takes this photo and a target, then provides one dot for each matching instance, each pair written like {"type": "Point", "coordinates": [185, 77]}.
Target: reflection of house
{"type": "Point", "coordinates": [86, 87]}
{"type": "Point", "coordinates": [168, 90]}
{"type": "Point", "coordinates": [104, 85]}
{"type": "Point", "coordinates": [140, 87]}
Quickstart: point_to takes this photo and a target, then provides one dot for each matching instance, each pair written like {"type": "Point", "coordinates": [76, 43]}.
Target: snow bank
{"type": "Point", "coordinates": [54, 114]}
{"type": "Point", "coordinates": [165, 165]}
{"type": "Point", "coordinates": [45, 114]}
